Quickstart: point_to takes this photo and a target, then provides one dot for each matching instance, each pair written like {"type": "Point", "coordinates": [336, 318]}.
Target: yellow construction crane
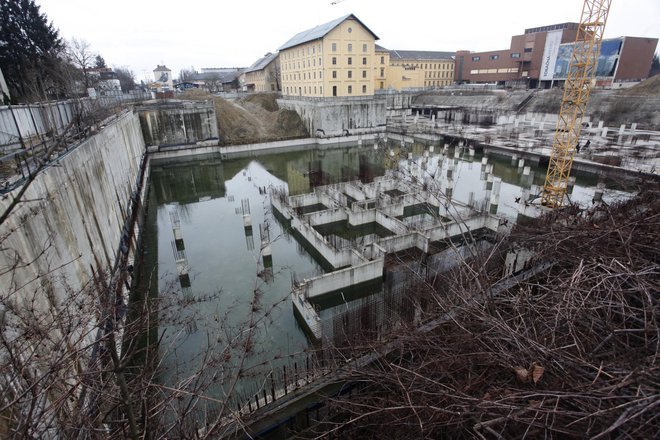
{"type": "Point", "coordinates": [581, 71]}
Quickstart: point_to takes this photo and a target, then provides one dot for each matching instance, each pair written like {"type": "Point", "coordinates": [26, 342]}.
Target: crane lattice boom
{"type": "Point", "coordinates": [581, 71]}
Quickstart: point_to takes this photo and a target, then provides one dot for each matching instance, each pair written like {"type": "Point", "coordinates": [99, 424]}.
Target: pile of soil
{"type": "Point", "coordinates": [650, 87]}
{"type": "Point", "coordinates": [252, 119]}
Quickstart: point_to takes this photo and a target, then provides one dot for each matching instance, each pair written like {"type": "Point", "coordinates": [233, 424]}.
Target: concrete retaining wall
{"type": "Point", "coordinates": [334, 115]}
{"type": "Point", "coordinates": [178, 122]}
{"type": "Point", "coordinates": [73, 216]}
{"type": "Point", "coordinates": [344, 278]}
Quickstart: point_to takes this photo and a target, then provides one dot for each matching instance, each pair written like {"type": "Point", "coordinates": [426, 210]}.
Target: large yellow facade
{"type": "Point", "coordinates": [339, 62]}
{"type": "Point", "coordinates": [402, 70]}
{"type": "Point", "coordinates": [263, 75]}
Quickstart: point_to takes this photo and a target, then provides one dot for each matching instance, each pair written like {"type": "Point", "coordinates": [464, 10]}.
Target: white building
{"type": "Point", "coordinates": [163, 78]}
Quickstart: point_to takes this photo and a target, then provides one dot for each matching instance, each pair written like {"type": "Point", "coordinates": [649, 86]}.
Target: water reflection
{"type": "Point", "coordinates": [206, 261]}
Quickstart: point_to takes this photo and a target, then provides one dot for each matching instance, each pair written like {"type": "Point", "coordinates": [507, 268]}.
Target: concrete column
{"type": "Point", "coordinates": [600, 124]}
{"type": "Point", "coordinates": [622, 129]}
{"type": "Point", "coordinates": [604, 133]}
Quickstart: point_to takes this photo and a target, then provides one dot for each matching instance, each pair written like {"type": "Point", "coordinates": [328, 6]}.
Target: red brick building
{"type": "Point", "coordinates": [539, 58]}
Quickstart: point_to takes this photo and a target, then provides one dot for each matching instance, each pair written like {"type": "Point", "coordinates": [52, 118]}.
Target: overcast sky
{"type": "Point", "coordinates": [140, 34]}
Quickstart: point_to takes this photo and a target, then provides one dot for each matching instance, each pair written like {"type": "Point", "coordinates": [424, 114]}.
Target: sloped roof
{"type": "Point", "coordinates": [321, 31]}
{"type": "Point", "coordinates": [162, 68]}
{"type": "Point", "coordinates": [421, 55]}
{"type": "Point", "coordinates": [262, 62]}
{"type": "Point", "coordinates": [380, 48]}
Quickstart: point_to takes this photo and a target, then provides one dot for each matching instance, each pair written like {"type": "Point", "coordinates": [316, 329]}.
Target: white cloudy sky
{"type": "Point", "coordinates": [211, 33]}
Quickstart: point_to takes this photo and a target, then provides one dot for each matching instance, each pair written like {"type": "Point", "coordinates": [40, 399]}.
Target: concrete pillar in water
{"type": "Point", "coordinates": [541, 125]}
{"type": "Point", "coordinates": [431, 148]}
{"type": "Point", "coordinates": [516, 122]}
{"type": "Point", "coordinates": [527, 170]}
{"type": "Point", "coordinates": [570, 185]}
{"type": "Point", "coordinates": [247, 221]}
{"type": "Point", "coordinates": [600, 124]}
{"type": "Point", "coordinates": [410, 156]}
{"type": "Point", "coordinates": [359, 142]}
{"type": "Point", "coordinates": [622, 129]}
{"type": "Point", "coordinates": [457, 152]}
{"type": "Point", "coordinates": [495, 195]}
{"type": "Point", "coordinates": [514, 160]}
{"type": "Point", "coordinates": [489, 182]}
{"type": "Point", "coordinates": [416, 117]}
{"type": "Point", "coordinates": [521, 163]}
{"type": "Point", "coordinates": [484, 160]}
{"type": "Point", "coordinates": [433, 117]}
{"type": "Point", "coordinates": [633, 127]}
{"type": "Point", "coordinates": [471, 151]}
{"type": "Point", "coordinates": [604, 133]}
{"type": "Point", "coordinates": [450, 188]}
{"type": "Point", "coordinates": [450, 170]}
{"type": "Point", "coordinates": [598, 194]}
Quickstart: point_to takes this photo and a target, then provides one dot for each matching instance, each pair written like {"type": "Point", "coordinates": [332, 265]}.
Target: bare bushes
{"type": "Point", "coordinates": [572, 352]}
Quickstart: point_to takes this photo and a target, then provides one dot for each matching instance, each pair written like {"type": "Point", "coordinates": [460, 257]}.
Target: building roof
{"type": "Point", "coordinates": [380, 48]}
{"type": "Point", "coordinates": [262, 62]}
{"type": "Point", "coordinates": [223, 77]}
{"type": "Point", "coordinates": [421, 55]}
{"type": "Point", "coordinates": [321, 31]}
{"type": "Point", "coordinates": [162, 68]}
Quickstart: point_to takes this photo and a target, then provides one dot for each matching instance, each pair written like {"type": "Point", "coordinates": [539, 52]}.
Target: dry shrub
{"type": "Point", "coordinates": [570, 353]}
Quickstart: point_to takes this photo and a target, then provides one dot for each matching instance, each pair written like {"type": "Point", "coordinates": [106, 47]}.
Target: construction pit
{"type": "Point", "coordinates": [381, 206]}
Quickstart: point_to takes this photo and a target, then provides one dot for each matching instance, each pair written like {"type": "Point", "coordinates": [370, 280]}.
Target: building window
{"type": "Point", "coordinates": [320, 74]}
{"type": "Point", "coordinates": [334, 60]}
{"type": "Point", "coordinates": [364, 61]}
{"type": "Point", "coordinates": [364, 89]}
{"type": "Point", "coordinates": [334, 90]}
{"type": "Point", "coordinates": [319, 61]}
{"type": "Point", "coordinates": [350, 61]}
{"type": "Point", "coordinates": [494, 57]}
{"type": "Point", "coordinates": [528, 49]}
{"type": "Point", "coordinates": [321, 90]}
{"type": "Point", "coordinates": [382, 85]}
{"type": "Point", "coordinates": [476, 58]}
{"type": "Point", "coordinates": [382, 60]}
{"type": "Point", "coordinates": [350, 74]}
{"type": "Point", "coordinates": [350, 47]}
{"type": "Point", "coordinates": [515, 55]}
{"type": "Point", "coordinates": [350, 90]}
{"type": "Point", "coordinates": [364, 74]}
{"type": "Point", "coordinates": [334, 47]}
{"type": "Point", "coordinates": [364, 48]}
{"type": "Point", "coordinates": [334, 74]}
{"type": "Point", "coordinates": [350, 30]}
{"type": "Point", "coordinates": [382, 72]}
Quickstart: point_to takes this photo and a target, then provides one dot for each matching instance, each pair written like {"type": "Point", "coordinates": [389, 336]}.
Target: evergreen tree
{"type": "Point", "coordinates": [30, 49]}
{"type": "Point", "coordinates": [99, 62]}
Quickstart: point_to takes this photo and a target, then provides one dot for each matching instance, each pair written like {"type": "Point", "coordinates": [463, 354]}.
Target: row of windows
{"type": "Point", "coordinates": [349, 47]}
{"type": "Point", "coordinates": [426, 66]}
{"type": "Point", "coordinates": [289, 54]}
{"type": "Point", "coordinates": [433, 74]}
{"type": "Point", "coordinates": [496, 57]}
{"type": "Point", "coordinates": [305, 76]}
{"type": "Point", "coordinates": [501, 70]}
{"type": "Point", "coordinates": [436, 83]}
{"type": "Point", "coordinates": [305, 64]}
{"type": "Point", "coordinates": [349, 61]}
{"type": "Point", "coordinates": [349, 74]}
{"type": "Point", "coordinates": [313, 90]}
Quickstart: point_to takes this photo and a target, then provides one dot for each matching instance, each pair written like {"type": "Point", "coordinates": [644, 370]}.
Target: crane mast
{"type": "Point", "coordinates": [581, 71]}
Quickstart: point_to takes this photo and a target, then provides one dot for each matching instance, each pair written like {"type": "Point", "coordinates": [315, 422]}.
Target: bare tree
{"type": "Point", "coordinates": [187, 74]}
{"type": "Point", "coordinates": [80, 55]}
{"type": "Point", "coordinates": [126, 78]}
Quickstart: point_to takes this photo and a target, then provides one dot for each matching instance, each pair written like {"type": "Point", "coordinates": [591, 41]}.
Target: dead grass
{"type": "Point", "coordinates": [252, 119]}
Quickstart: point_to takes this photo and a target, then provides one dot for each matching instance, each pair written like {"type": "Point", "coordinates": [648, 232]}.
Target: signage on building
{"type": "Point", "coordinates": [552, 42]}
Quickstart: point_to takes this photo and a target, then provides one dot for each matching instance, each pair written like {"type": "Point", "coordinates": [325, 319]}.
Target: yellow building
{"type": "Point", "coordinates": [406, 69]}
{"type": "Point", "coordinates": [333, 59]}
{"type": "Point", "coordinates": [263, 75]}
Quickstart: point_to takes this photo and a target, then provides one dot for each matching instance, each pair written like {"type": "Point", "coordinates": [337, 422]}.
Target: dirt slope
{"type": "Point", "coordinates": [253, 118]}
